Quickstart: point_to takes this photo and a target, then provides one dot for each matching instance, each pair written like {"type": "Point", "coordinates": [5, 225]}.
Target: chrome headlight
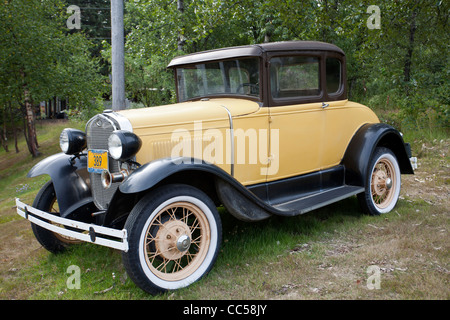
{"type": "Point", "coordinates": [72, 141]}
{"type": "Point", "coordinates": [123, 145]}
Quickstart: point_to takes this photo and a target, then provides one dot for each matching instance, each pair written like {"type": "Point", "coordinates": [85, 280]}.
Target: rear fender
{"type": "Point", "coordinates": [363, 144]}
{"type": "Point", "coordinates": [73, 193]}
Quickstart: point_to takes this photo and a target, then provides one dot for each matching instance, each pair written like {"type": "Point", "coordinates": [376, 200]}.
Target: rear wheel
{"type": "Point", "coordinates": [382, 183]}
{"type": "Point", "coordinates": [174, 236]}
{"type": "Point", "coordinates": [46, 201]}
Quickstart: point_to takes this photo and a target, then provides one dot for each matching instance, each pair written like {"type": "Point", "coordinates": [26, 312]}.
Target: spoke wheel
{"type": "Point", "coordinates": [174, 237]}
{"type": "Point", "coordinates": [383, 183]}
{"type": "Point", "coordinates": [177, 241]}
{"type": "Point", "coordinates": [54, 209]}
{"type": "Point", "coordinates": [46, 201]}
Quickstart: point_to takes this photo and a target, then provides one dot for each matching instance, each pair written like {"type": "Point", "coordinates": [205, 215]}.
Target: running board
{"type": "Point", "coordinates": [315, 201]}
{"type": "Point", "coordinates": [245, 205]}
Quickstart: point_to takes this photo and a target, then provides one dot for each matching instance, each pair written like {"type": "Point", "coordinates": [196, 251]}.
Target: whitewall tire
{"type": "Point", "coordinates": [174, 236]}
{"type": "Point", "coordinates": [383, 183]}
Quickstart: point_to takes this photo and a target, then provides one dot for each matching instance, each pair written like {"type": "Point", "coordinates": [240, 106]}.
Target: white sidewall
{"type": "Point", "coordinates": [170, 285]}
{"type": "Point", "coordinates": [393, 160]}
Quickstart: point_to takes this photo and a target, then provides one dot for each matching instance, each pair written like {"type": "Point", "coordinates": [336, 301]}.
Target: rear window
{"type": "Point", "coordinates": [334, 74]}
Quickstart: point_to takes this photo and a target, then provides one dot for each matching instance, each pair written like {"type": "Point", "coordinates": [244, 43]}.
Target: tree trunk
{"type": "Point", "coordinates": [4, 137]}
{"type": "Point", "coordinates": [13, 123]}
{"type": "Point", "coordinates": [31, 129]}
{"type": "Point", "coordinates": [30, 132]}
{"type": "Point", "coordinates": [34, 126]}
{"type": "Point", "coordinates": [408, 57]}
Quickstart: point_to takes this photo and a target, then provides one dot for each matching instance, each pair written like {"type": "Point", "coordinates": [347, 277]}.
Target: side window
{"type": "Point", "coordinates": [294, 77]}
{"type": "Point", "coordinates": [334, 75]}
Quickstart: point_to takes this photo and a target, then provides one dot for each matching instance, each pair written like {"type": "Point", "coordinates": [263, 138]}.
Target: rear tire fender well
{"type": "Point", "coordinates": [363, 144]}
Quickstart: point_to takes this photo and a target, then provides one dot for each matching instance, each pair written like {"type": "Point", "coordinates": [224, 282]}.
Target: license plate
{"type": "Point", "coordinates": [97, 161]}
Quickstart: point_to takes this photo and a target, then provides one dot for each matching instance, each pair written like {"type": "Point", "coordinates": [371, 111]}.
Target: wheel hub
{"type": "Point", "coordinates": [183, 243]}
{"type": "Point", "coordinates": [388, 183]}
{"type": "Point", "coordinates": [173, 239]}
{"type": "Point", "coordinates": [381, 183]}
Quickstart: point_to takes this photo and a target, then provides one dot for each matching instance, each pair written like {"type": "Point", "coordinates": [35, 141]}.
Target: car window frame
{"type": "Point", "coordinates": [323, 95]}
{"type": "Point", "coordinates": [341, 94]}
{"type": "Point", "coordinates": [293, 100]}
{"type": "Point", "coordinates": [317, 63]}
{"type": "Point", "coordinates": [259, 98]}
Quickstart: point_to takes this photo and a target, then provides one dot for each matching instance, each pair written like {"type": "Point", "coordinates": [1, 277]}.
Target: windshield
{"type": "Point", "coordinates": [230, 77]}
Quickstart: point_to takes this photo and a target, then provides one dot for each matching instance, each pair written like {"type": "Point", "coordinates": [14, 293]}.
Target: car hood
{"type": "Point", "coordinates": [189, 112]}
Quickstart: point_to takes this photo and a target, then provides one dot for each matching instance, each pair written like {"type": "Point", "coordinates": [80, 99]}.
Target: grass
{"type": "Point", "coordinates": [324, 254]}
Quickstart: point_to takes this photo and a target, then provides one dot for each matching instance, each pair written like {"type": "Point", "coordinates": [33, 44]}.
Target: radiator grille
{"type": "Point", "coordinates": [98, 131]}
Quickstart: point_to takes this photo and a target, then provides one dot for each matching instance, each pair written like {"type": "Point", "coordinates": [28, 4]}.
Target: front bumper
{"type": "Point", "coordinates": [92, 233]}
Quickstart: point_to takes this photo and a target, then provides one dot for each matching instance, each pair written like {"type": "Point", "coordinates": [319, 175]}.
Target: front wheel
{"type": "Point", "coordinates": [174, 236]}
{"type": "Point", "coordinates": [46, 201]}
{"type": "Point", "coordinates": [382, 183]}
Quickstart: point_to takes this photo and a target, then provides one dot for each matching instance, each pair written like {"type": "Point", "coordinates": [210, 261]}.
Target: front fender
{"type": "Point", "coordinates": [152, 173]}
{"type": "Point", "coordinates": [238, 200]}
{"type": "Point", "coordinates": [72, 191]}
{"type": "Point", "coordinates": [361, 147]}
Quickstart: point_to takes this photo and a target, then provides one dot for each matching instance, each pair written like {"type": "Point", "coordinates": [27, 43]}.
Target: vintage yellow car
{"type": "Point", "coordinates": [261, 129]}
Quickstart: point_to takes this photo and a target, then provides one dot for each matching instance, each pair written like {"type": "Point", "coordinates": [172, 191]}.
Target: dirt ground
{"type": "Point", "coordinates": [431, 181]}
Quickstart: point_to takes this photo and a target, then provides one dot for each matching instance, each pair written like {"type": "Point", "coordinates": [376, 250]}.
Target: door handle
{"type": "Point", "coordinates": [324, 105]}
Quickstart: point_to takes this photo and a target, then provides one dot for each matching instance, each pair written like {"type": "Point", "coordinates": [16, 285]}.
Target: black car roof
{"type": "Point", "coordinates": [254, 50]}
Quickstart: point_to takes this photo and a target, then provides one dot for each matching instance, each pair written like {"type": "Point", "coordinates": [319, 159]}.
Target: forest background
{"type": "Point", "coordinates": [397, 52]}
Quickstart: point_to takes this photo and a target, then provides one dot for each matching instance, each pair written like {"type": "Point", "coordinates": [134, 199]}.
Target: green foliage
{"type": "Point", "coordinates": [402, 67]}
{"type": "Point", "coordinates": [38, 54]}
{"type": "Point", "coordinates": [406, 63]}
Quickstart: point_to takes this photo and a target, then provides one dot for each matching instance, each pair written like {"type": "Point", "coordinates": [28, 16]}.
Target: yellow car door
{"type": "Point", "coordinates": [299, 126]}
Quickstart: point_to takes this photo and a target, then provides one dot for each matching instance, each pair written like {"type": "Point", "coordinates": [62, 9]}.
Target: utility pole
{"type": "Point", "coordinates": [118, 55]}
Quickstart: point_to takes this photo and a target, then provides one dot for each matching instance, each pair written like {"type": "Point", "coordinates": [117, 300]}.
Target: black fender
{"type": "Point", "coordinates": [73, 193]}
{"type": "Point", "coordinates": [361, 147]}
{"type": "Point", "coordinates": [150, 174]}
{"type": "Point", "coordinates": [214, 181]}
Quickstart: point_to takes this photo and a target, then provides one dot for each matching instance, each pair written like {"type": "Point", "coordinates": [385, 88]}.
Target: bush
{"type": "Point", "coordinates": [86, 112]}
